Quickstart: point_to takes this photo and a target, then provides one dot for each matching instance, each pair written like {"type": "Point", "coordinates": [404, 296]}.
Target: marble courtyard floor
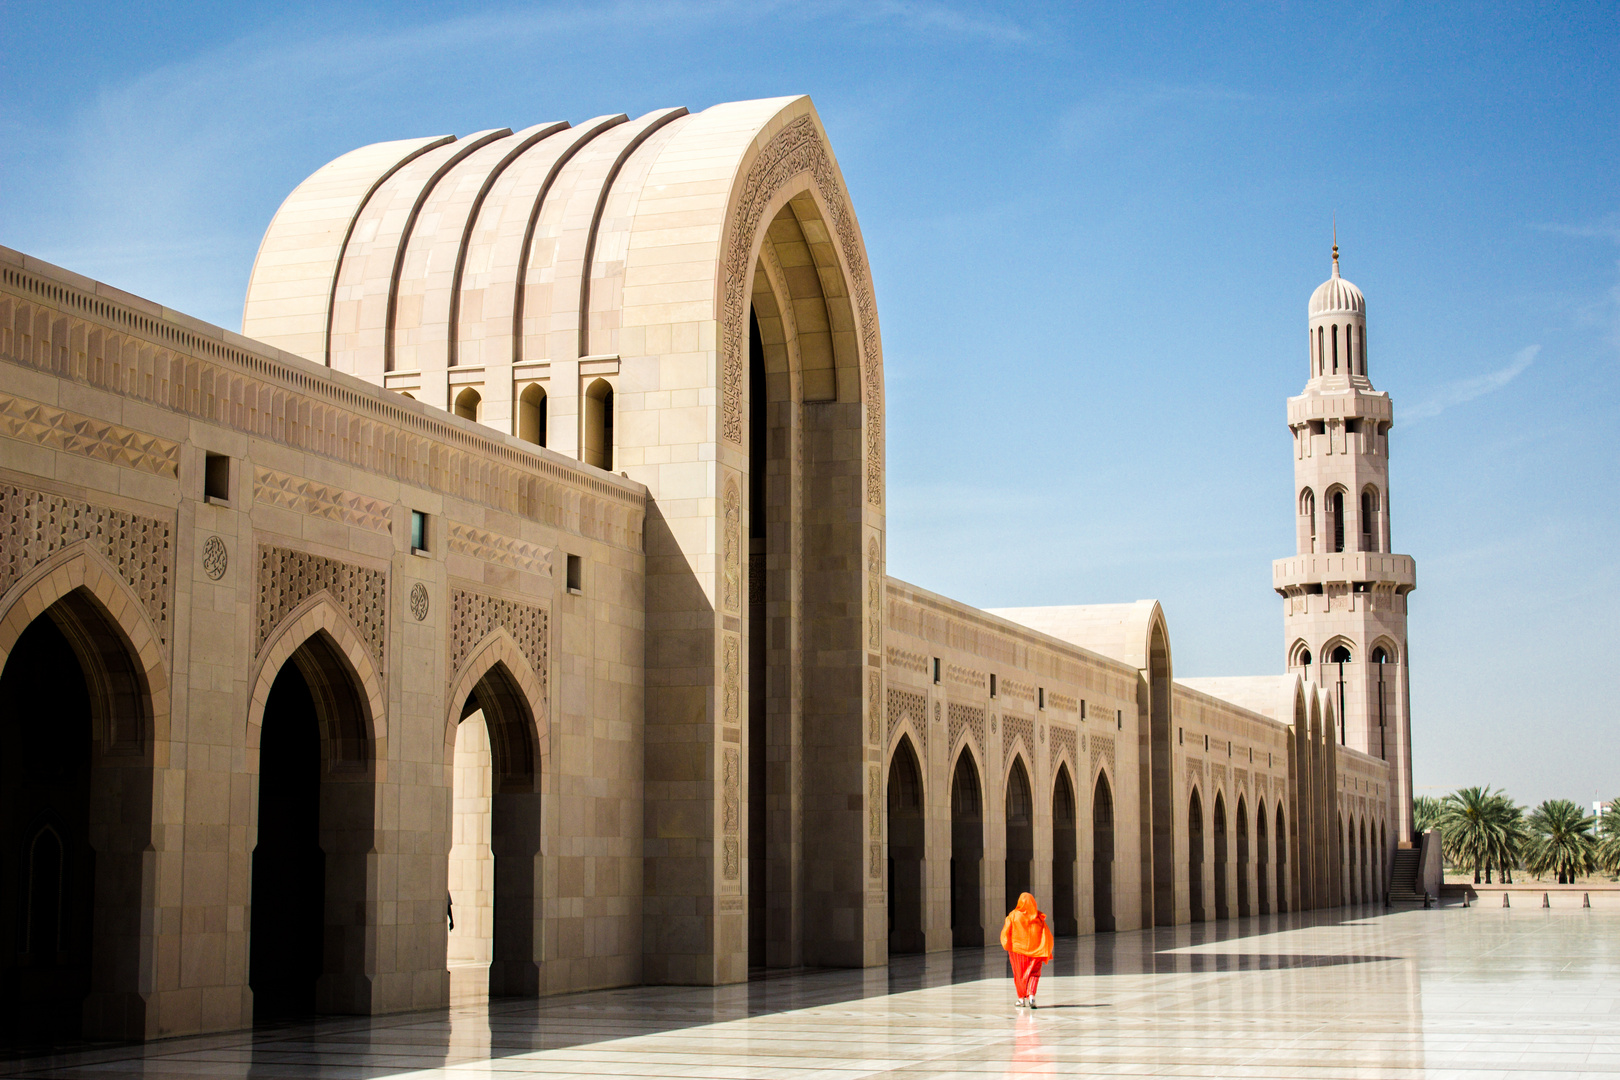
{"type": "Point", "coordinates": [1473, 994]}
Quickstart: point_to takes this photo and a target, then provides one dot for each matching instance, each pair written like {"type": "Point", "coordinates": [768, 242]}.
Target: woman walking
{"type": "Point", "coordinates": [1028, 941]}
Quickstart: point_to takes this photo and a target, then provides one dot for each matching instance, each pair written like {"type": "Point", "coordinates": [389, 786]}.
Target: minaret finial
{"type": "Point", "coordinates": [1335, 245]}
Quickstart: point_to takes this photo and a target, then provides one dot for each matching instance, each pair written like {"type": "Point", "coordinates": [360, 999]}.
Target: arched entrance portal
{"type": "Point", "coordinates": [1243, 908]}
{"type": "Point", "coordinates": [967, 854]}
{"type": "Point", "coordinates": [906, 845]}
{"type": "Point", "coordinates": [1102, 855]}
{"type": "Point", "coordinates": [1282, 860]}
{"type": "Point", "coordinates": [1020, 833]}
{"type": "Point", "coordinates": [1195, 857]}
{"type": "Point", "coordinates": [1222, 909]}
{"type": "Point", "coordinates": [494, 871]}
{"type": "Point", "coordinates": [1262, 859]}
{"type": "Point", "coordinates": [75, 820]}
{"type": "Point", "coordinates": [310, 889]}
{"type": "Point", "coordinates": [1065, 851]}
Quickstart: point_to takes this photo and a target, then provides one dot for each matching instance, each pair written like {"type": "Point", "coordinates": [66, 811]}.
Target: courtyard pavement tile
{"type": "Point", "coordinates": [1452, 994]}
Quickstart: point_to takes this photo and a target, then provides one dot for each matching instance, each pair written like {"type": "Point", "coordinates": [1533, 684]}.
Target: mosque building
{"type": "Point", "coordinates": [527, 548]}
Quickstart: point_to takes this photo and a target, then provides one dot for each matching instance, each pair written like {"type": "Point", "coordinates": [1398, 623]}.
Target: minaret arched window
{"type": "Point", "coordinates": [1339, 657]}
{"type": "Point", "coordinates": [1307, 522]}
{"type": "Point", "coordinates": [1382, 660]}
{"type": "Point", "coordinates": [1371, 533]}
{"type": "Point", "coordinates": [1335, 348]}
{"type": "Point", "coordinates": [1336, 519]}
{"type": "Point", "coordinates": [1361, 348]}
{"type": "Point", "coordinates": [1321, 353]}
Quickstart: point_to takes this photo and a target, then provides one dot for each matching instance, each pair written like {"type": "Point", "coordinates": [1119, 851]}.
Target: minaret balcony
{"type": "Point", "coordinates": [1397, 572]}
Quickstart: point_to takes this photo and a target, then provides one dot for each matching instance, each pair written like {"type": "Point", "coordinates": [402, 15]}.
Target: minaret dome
{"type": "Point", "coordinates": [1338, 327]}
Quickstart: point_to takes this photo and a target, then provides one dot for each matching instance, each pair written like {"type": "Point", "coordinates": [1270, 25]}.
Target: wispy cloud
{"type": "Point", "coordinates": [1604, 228]}
{"type": "Point", "coordinates": [1104, 114]}
{"type": "Point", "coordinates": [1465, 390]}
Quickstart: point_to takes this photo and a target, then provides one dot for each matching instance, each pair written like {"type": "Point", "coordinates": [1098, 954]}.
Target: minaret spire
{"type": "Point", "coordinates": [1335, 245]}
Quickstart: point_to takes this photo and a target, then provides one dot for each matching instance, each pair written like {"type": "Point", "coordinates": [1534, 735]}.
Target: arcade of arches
{"type": "Point", "coordinates": [529, 617]}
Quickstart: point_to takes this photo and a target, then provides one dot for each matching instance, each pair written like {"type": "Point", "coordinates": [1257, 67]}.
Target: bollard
{"type": "Point", "coordinates": [1504, 900]}
{"type": "Point", "coordinates": [1586, 900]}
{"type": "Point", "coordinates": [1465, 899]}
{"type": "Point", "coordinates": [1544, 900]}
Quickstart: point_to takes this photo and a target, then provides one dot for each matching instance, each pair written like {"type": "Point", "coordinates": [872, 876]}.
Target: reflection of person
{"type": "Point", "coordinates": [1028, 941]}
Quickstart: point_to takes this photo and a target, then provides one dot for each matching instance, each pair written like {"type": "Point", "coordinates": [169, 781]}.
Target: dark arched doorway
{"type": "Point", "coordinates": [75, 819]}
{"type": "Point", "coordinates": [495, 883]}
{"type": "Point", "coordinates": [1065, 851]}
{"type": "Point", "coordinates": [1195, 857]}
{"type": "Point", "coordinates": [967, 854]}
{"type": "Point", "coordinates": [906, 846]}
{"type": "Point", "coordinates": [1243, 859]}
{"type": "Point", "coordinates": [1020, 833]}
{"type": "Point", "coordinates": [1262, 859]}
{"type": "Point", "coordinates": [1282, 860]}
{"type": "Point", "coordinates": [1223, 910]}
{"type": "Point", "coordinates": [1102, 855]}
{"type": "Point", "coordinates": [310, 889]}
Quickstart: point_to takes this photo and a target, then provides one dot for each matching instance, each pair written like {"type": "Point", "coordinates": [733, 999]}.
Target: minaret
{"type": "Point", "coordinates": [1344, 593]}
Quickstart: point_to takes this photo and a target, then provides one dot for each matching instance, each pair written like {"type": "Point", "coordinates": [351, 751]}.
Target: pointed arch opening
{"type": "Point", "coordinates": [1020, 826]}
{"type": "Point", "coordinates": [1158, 784]}
{"type": "Point", "coordinates": [1282, 860]}
{"type": "Point", "coordinates": [311, 913]}
{"type": "Point", "coordinates": [495, 884]}
{"type": "Point", "coordinates": [1102, 855]}
{"type": "Point", "coordinates": [1065, 853]}
{"type": "Point", "coordinates": [1243, 906]}
{"type": "Point", "coordinates": [906, 835]}
{"type": "Point", "coordinates": [1223, 910]}
{"type": "Point", "coordinates": [469, 404]}
{"type": "Point", "coordinates": [596, 438]}
{"type": "Point", "coordinates": [967, 854]}
{"type": "Point", "coordinates": [532, 408]}
{"type": "Point", "coordinates": [1195, 856]}
{"type": "Point", "coordinates": [1262, 852]}
{"type": "Point", "coordinates": [76, 715]}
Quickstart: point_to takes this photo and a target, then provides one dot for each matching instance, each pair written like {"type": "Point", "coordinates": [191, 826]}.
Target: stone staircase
{"type": "Point", "coordinates": [1403, 880]}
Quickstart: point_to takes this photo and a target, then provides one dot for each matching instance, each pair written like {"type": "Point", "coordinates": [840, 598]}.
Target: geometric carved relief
{"type": "Point", "coordinates": [58, 429]}
{"type": "Point", "coordinates": [287, 578]}
{"type": "Point", "coordinates": [501, 550]}
{"type": "Point", "coordinates": [903, 704]}
{"type": "Point", "coordinates": [1195, 773]}
{"type": "Point", "coordinates": [874, 821]}
{"type": "Point", "coordinates": [731, 540]}
{"type": "Point", "coordinates": [473, 615]}
{"type": "Point", "coordinates": [1102, 749]}
{"type": "Point", "coordinates": [731, 782]}
{"type": "Point", "coordinates": [874, 707]}
{"type": "Point", "coordinates": [1012, 727]}
{"type": "Point", "coordinates": [909, 661]}
{"type": "Point", "coordinates": [797, 149]}
{"type": "Point", "coordinates": [874, 596]}
{"type": "Point", "coordinates": [1063, 748]}
{"type": "Point", "coordinates": [35, 525]}
{"type": "Point", "coordinates": [965, 716]}
{"type": "Point", "coordinates": [731, 679]}
{"type": "Point", "coordinates": [317, 500]}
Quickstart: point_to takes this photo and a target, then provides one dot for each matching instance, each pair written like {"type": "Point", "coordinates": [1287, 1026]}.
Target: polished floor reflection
{"type": "Point", "coordinates": [1476, 994]}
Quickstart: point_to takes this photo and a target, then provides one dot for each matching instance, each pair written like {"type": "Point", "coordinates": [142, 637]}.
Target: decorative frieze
{"type": "Point", "coordinates": [731, 544]}
{"type": "Point", "coordinates": [501, 550]}
{"type": "Point", "coordinates": [1062, 702]}
{"type": "Point", "coordinates": [59, 429]}
{"type": "Point", "coordinates": [907, 661]}
{"type": "Point", "coordinates": [874, 595]}
{"type": "Point", "coordinates": [319, 500]}
{"type": "Point", "coordinates": [34, 525]}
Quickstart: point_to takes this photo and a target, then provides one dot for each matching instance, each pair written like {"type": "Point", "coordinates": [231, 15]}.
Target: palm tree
{"type": "Point", "coordinates": [1425, 813]}
{"type": "Point", "coordinates": [1512, 838]}
{"type": "Point", "coordinates": [1561, 841]}
{"type": "Point", "coordinates": [1608, 849]}
{"type": "Point", "coordinates": [1480, 830]}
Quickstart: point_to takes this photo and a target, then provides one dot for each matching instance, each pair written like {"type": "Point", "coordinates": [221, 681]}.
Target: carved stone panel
{"type": "Point", "coordinates": [288, 577]}
{"type": "Point", "coordinates": [731, 679]}
{"type": "Point", "coordinates": [874, 706]}
{"type": "Point", "coordinates": [46, 425]}
{"type": "Point", "coordinates": [319, 500]}
{"type": "Point", "coordinates": [474, 614]}
{"type": "Point", "coordinates": [34, 525]}
{"type": "Point", "coordinates": [1102, 752]}
{"type": "Point", "coordinates": [730, 790]}
{"type": "Point", "coordinates": [908, 704]}
{"type": "Point", "coordinates": [731, 543]}
{"type": "Point", "coordinates": [1014, 728]}
{"type": "Point", "coordinates": [1063, 747]}
{"type": "Point", "coordinates": [874, 596]}
{"type": "Point", "coordinates": [965, 717]}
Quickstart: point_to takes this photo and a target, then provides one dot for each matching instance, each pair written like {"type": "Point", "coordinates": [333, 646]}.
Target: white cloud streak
{"type": "Point", "coordinates": [1465, 390]}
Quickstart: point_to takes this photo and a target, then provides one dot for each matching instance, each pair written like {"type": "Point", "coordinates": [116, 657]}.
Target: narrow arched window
{"type": "Point", "coordinates": [1335, 348]}
{"type": "Point", "coordinates": [1307, 524]}
{"type": "Point", "coordinates": [467, 404]}
{"type": "Point", "coordinates": [532, 415]}
{"type": "Point", "coordinates": [1371, 532]}
{"type": "Point", "coordinates": [1336, 509]}
{"type": "Point", "coordinates": [1361, 345]}
{"type": "Point", "coordinates": [1321, 353]}
{"type": "Point", "coordinates": [598, 443]}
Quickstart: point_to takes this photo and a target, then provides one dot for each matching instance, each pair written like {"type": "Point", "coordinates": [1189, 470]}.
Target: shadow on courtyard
{"type": "Point", "coordinates": [476, 1031]}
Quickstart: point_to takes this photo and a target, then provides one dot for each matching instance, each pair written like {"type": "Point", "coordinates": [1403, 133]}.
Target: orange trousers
{"type": "Point", "coordinates": [1026, 972]}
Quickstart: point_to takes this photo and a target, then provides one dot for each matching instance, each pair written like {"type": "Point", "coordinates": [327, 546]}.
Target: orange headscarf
{"type": "Point", "coordinates": [1025, 932]}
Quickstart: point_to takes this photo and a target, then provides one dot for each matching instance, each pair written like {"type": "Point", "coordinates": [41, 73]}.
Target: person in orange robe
{"type": "Point", "coordinates": [1028, 941]}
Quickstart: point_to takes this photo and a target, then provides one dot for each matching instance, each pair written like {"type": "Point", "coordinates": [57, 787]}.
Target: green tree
{"type": "Point", "coordinates": [1481, 829]}
{"type": "Point", "coordinates": [1425, 813]}
{"type": "Point", "coordinates": [1561, 841]}
{"type": "Point", "coordinates": [1608, 849]}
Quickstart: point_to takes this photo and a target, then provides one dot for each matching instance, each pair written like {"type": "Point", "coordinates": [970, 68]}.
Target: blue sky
{"type": "Point", "coordinates": [1093, 230]}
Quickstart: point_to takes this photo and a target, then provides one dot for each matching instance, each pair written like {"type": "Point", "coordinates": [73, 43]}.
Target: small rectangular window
{"type": "Point", "coordinates": [575, 573]}
{"type": "Point", "coordinates": [936, 671]}
{"type": "Point", "coordinates": [1082, 708]}
{"type": "Point", "coordinates": [992, 684]}
{"type": "Point", "coordinates": [1228, 747]}
{"type": "Point", "coordinates": [1119, 718]}
{"type": "Point", "coordinates": [216, 478]}
{"type": "Point", "coordinates": [419, 533]}
{"type": "Point", "coordinates": [1206, 744]}
{"type": "Point", "coordinates": [1181, 737]}
{"type": "Point", "coordinates": [1041, 695]}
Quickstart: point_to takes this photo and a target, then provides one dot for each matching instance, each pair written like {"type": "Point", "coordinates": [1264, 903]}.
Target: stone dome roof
{"type": "Point", "coordinates": [1336, 294]}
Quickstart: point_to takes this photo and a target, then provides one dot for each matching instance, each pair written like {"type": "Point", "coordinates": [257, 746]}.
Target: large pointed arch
{"type": "Point", "coordinates": [500, 653]}
{"type": "Point", "coordinates": [319, 618]}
